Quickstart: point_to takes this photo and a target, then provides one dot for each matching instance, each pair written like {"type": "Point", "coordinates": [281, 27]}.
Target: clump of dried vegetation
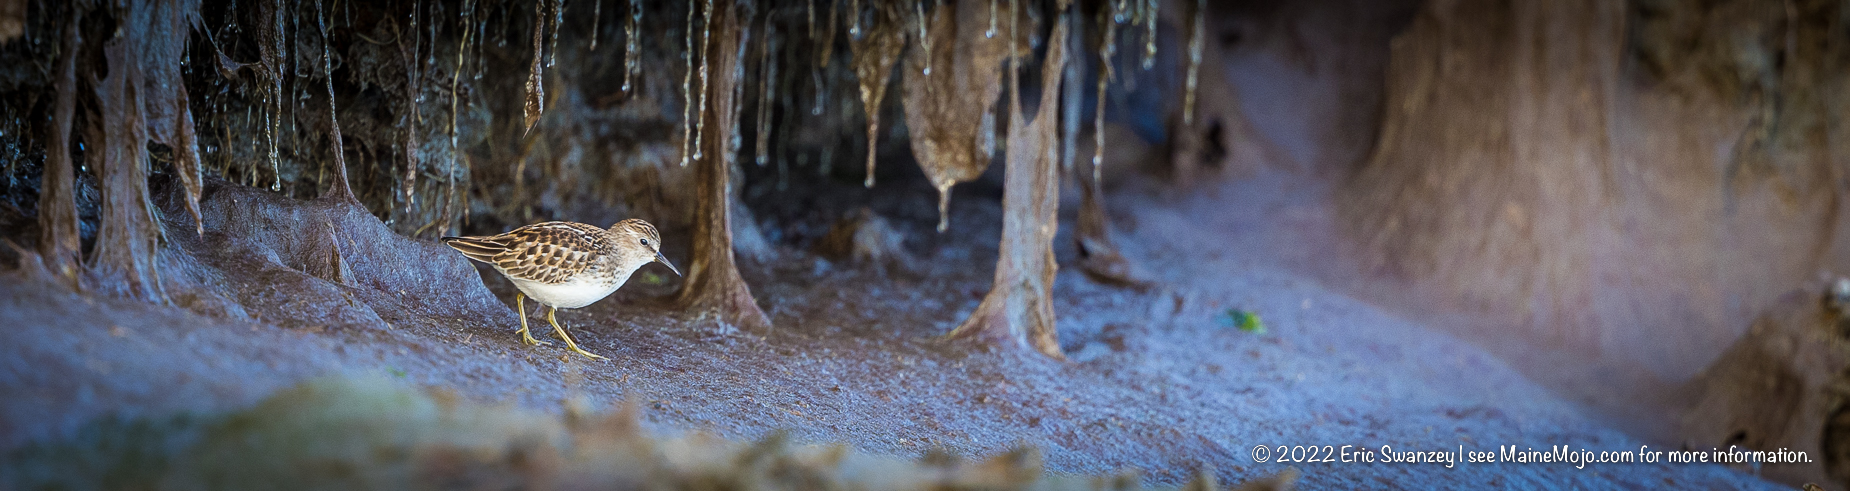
{"type": "Point", "coordinates": [371, 433]}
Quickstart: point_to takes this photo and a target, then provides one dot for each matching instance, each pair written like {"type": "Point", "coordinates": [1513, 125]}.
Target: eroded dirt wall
{"type": "Point", "coordinates": [1632, 179]}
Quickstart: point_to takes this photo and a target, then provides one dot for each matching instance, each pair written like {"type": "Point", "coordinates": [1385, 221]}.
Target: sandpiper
{"type": "Point", "coordinates": [566, 264]}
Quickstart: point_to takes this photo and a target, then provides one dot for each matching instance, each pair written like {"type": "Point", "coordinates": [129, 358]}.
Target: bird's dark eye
{"type": "Point", "coordinates": [645, 241]}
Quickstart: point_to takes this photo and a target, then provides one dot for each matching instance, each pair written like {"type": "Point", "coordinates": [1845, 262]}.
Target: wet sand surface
{"type": "Point", "coordinates": [1154, 380]}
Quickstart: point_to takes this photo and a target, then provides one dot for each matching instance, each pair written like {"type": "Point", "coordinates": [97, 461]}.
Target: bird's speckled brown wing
{"type": "Point", "coordinates": [548, 252]}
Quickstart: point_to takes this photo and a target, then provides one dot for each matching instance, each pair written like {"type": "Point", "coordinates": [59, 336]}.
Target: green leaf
{"type": "Point", "coordinates": [1243, 320]}
{"type": "Point", "coordinates": [650, 278]}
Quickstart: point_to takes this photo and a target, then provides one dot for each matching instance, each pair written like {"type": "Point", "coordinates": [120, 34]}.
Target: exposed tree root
{"type": "Point", "coordinates": [1018, 311]}
{"type": "Point", "coordinates": [713, 282]}
{"type": "Point", "coordinates": [59, 244]}
{"type": "Point", "coordinates": [169, 116]}
{"type": "Point", "coordinates": [1098, 255]}
{"type": "Point", "coordinates": [125, 245]}
{"type": "Point", "coordinates": [1099, 258]}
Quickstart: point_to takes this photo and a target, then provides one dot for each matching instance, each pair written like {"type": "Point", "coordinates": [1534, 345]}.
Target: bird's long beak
{"type": "Point", "coordinates": [664, 260]}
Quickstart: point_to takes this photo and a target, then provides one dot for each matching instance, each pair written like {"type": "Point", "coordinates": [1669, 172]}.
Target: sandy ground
{"type": "Point", "coordinates": [1155, 380]}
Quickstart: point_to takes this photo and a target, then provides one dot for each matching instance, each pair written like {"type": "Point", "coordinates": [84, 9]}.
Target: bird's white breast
{"type": "Point", "coordinates": [574, 293]}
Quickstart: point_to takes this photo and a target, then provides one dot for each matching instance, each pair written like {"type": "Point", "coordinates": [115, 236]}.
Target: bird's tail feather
{"type": "Point", "coordinates": [481, 249]}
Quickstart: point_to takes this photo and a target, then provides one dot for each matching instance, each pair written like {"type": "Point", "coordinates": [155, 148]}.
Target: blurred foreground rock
{"type": "Point", "coordinates": [373, 434]}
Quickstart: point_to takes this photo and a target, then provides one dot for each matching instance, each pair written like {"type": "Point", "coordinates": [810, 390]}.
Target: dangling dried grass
{"type": "Point", "coordinates": [948, 111]}
{"type": "Point", "coordinates": [875, 53]}
{"type": "Point", "coordinates": [536, 87]}
{"type": "Point", "coordinates": [341, 189]}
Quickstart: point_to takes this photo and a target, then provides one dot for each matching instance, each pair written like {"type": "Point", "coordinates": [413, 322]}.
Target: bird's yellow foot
{"type": "Point", "coordinates": [527, 337]}
{"type": "Point", "coordinates": [569, 344]}
{"type": "Point", "coordinates": [587, 354]}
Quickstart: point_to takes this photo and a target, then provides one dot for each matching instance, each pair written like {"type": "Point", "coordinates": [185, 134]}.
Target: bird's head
{"type": "Point", "coordinates": [637, 233]}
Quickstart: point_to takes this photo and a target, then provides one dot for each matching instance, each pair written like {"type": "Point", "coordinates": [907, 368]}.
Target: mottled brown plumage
{"type": "Point", "coordinates": [549, 252]}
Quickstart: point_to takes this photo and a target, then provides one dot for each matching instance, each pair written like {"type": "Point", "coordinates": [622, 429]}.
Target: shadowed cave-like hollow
{"type": "Point", "coordinates": [954, 244]}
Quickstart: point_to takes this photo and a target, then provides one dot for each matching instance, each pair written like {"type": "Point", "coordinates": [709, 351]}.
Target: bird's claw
{"type": "Point", "coordinates": [588, 354]}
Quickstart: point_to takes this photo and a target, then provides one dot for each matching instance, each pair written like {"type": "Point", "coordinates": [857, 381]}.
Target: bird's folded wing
{"type": "Point", "coordinates": [550, 252]}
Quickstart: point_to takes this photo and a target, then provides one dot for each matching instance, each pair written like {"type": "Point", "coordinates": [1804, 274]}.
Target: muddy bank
{"type": "Point", "coordinates": [1154, 381]}
{"type": "Point", "coordinates": [1607, 195]}
{"type": "Point", "coordinates": [219, 202]}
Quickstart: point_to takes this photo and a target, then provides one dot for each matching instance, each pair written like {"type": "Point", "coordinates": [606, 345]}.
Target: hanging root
{"type": "Point", "coordinates": [274, 56]}
{"type": "Point", "coordinates": [340, 190]}
{"type": "Point", "coordinates": [948, 111]}
{"type": "Point", "coordinates": [1196, 39]}
{"type": "Point", "coordinates": [408, 183]}
{"type": "Point", "coordinates": [700, 113]}
{"type": "Point", "coordinates": [632, 55]}
{"type": "Point", "coordinates": [767, 84]}
{"type": "Point", "coordinates": [687, 93]}
{"type": "Point", "coordinates": [874, 56]}
{"type": "Point", "coordinates": [536, 89]}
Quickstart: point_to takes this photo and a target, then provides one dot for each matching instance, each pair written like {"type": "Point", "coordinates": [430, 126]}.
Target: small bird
{"type": "Point", "coordinates": [566, 264]}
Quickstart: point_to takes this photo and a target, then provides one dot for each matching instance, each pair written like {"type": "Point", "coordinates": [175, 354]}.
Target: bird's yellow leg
{"type": "Point", "coordinates": [567, 337]}
{"type": "Point", "coordinates": [526, 336]}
